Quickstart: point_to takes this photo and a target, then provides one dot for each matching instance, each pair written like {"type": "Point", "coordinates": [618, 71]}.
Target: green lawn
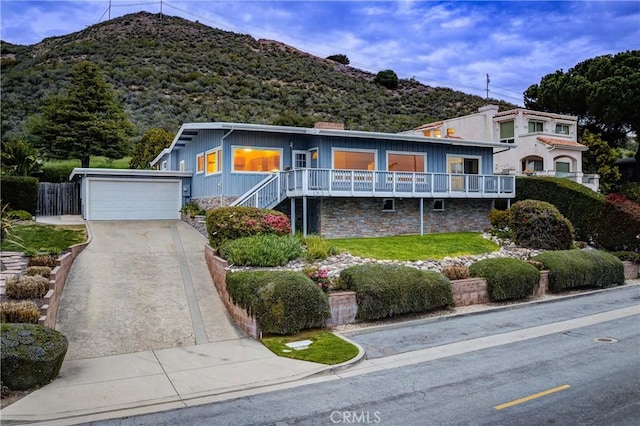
{"type": "Point", "coordinates": [34, 239]}
{"type": "Point", "coordinates": [326, 348]}
{"type": "Point", "coordinates": [416, 247]}
{"type": "Point", "coordinates": [96, 162]}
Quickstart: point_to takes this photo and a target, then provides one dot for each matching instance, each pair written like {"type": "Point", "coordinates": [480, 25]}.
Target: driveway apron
{"type": "Point", "coordinates": [138, 286]}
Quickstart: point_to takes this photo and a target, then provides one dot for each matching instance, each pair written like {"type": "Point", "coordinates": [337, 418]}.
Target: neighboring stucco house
{"type": "Point", "coordinates": [546, 144]}
{"type": "Point", "coordinates": [341, 183]}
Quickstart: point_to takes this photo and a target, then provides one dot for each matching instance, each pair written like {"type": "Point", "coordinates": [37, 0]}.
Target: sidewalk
{"type": "Point", "coordinates": [146, 382]}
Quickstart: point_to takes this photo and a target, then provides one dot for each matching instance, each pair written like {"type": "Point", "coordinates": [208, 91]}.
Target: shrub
{"type": "Point", "coordinates": [27, 287]}
{"type": "Point", "coordinates": [23, 312]}
{"type": "Point", "coordinates": [581, 268]}
{"type": "Point", "coordinates": [43, 271]}
{"type": "Point", "coordinates": [507, 278]}
{"type": "Point", "coordinates": [631, 190]}
{"type": "Point", "coordinates": [192, 209]}
{"type": "Point", "coordinates": [388, 79]}
{"type": "Point", "coordinates": [261, 250]}
{"type": "Point", "coordinates": [283, 302]}
{"type": "Point", "coordinates": [387, 290]}
{"type": "Point", "coordinates": [318, 248]}
{"type": "Point", "coordinates": [19, 215]}
{"type": "Point", "coordinates": [618, 227]}
{"type": "Point", "coordinates": [499, 218]}
{"type": "Point", "coordinates": [539, 225]}
{"type": "Point", "coordinates": [20, 193]}
{"type": "Point", "coordinates": [32, 355]}
{"type": "Point", "coordinates": [230, 223]}
{"type": "Point", "coordinates": [55, 173]}
{"type": "Point", "coordinates": [455, 272]}
{"type": "Point", "coordinates": [319, 277]}
{"type": "Point", "coordinates": [629, 256]}
{"type": "Point", "coordinates": [576, 202]}
{"type": "Point", "coordinates": [43, 260]}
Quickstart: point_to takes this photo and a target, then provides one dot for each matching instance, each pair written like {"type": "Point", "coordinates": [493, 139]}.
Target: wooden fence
{"type": "Point", "coordinates": [55, 199]}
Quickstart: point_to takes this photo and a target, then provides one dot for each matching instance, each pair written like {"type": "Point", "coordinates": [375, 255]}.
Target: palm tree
{"type": "Point", "coordinates": [20, 158]}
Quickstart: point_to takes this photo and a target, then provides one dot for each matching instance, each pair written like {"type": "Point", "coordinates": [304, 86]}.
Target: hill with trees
{"type": "Point", "coordinates": [167, 70]}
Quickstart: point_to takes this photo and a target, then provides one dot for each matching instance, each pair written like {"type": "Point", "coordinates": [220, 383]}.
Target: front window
{"type": "Point", "coordinates": [507, 132]}
{"type": "Point", "coordinates": [213, 161]}
{"type": "Point", "coordinates": [354, 160]}
{"type": "Point", "coordinates": [199, 163]}
{"type": "Point", "coordinates": [535, 126]}
{"type": "Point", "coordinates": [246, 159]}
{"type": "Point", "coordinates": [461, 165]}
{"type": "Point", "coordinates": [562, 129]}
{"type": "Point", "coordinates": [397, 162]}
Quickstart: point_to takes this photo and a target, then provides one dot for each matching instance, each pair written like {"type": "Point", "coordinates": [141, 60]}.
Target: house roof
{"type": "Point", "coordinates": [536, 113]}
{"type": "Point", "coordinates": [563, 143]}
{"type": "Point", "coordinates": [188, 131]}
{"type": "Point", "coordinates": [79, 171]}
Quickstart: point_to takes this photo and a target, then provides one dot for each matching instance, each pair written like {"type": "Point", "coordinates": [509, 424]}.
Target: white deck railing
{"type": "Point", "coordinates": [363, 183]}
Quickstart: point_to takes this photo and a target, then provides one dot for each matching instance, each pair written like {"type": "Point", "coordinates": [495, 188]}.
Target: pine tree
{"type": "Point", "coordinates": [86, 121]}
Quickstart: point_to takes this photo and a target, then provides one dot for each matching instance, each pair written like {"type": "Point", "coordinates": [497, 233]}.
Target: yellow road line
{"type": "Point", "coordinates": [530, 397]}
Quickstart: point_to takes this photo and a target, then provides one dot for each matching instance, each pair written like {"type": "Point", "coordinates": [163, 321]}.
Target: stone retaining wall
{"type": "Point", "coordinates": [631, 270]}
{"type": "Point", "coordinates": [57, 280]}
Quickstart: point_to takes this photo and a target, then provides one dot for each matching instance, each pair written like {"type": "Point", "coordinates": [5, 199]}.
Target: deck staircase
{"type": "Point", "coordinates": [267, 194]}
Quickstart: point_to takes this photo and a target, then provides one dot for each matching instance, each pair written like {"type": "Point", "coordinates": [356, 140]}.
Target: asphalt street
{"type": "Point", "coordinates": [586, 374]}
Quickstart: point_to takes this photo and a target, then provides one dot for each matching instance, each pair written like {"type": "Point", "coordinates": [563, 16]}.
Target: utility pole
{"type": "Point", "coordinates": [488, 81]}
{"type": "Point", "coordinates": [160, 9]}
{"type": "Point", "coordinates": [109, 9]}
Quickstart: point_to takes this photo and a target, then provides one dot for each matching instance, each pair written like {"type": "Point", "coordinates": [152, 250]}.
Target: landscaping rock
{"type": "Point", "coordinates": [32, 355]}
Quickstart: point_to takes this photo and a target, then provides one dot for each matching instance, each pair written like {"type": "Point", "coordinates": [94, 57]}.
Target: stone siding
{"type": "Point", "coordinates": [210, 203]}
{"type": "Point", "coordinates": [363, 217]}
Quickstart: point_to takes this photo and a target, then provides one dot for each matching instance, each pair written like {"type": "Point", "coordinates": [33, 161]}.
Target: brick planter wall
{"type": "Point", "coordinates": [470, 291]}
{"type": "Point", "coordinates": [343, 308]}
{"type": "Point", "coordinates": [631, 270]}
{"type": "Point", "coordinates": [57, 280]}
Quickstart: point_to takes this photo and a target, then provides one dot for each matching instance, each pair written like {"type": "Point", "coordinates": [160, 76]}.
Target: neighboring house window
{"type": "Point", "coordinates": [405, 162]}
{"type": "Point", "coordinates": [562, 129]}
{"type": "Point", "coordinates": [426, 133]}
{"type": "Point", "coordinates": [164, 165]}
{"type": "Point", "coordinates": [437, 133]}
{"type": "Point", "coordinates": [562, 168]}
{"type": "Point", "coordinates": [354, 159]}
{"type": "Point", "coordinates": [182, 166]}
{"type": "Point", "coordinates": [533, 165]}
{"type": "Point", "coordinates": [507, 132]}
{"type": "Point", "coordinates": [212, 160]}
{"type": "Point", "coordinates": [438, 205]}
{"type": "Point", "coordinates": [200, 163]}
{"type": "Point", "coordinates": [388, 205]}
{"type": "Point", "coordinates": [536, 126]}
{"type": "Point", "coordinates": [246, 159]}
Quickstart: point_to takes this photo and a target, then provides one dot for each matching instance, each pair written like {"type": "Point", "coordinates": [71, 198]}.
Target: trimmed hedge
{"type": "Point", "coordinates": [56, 173]}
{"type": "Point", "coordinates": [507, 278]}
{"type": "Point", "coordinates": [261, 250]}
{"type": "Point", "coordinates": [283, 302]}
{"type": "Point", "coordinates": [20, 193]}
{"type": "Point", "coordinates": [230, 223]}
{"type": "Point", "coordinates": [619, 225]}
{"type": "Point", "coordinates": [539, 225]}
{"type": "Point", "coordinates": [576, 202]}
{"type": "Point", "coordinates": [570, 269]}
{"type": "Point", "coordinates": [386, 290]}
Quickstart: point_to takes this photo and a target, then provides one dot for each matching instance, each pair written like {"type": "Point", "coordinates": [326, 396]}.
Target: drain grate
{"type": "Point", "coordinates": [605, 340]}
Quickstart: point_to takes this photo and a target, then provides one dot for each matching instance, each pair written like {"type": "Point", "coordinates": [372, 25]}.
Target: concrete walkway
{"type": "Point", "coordinates": [147, 331]}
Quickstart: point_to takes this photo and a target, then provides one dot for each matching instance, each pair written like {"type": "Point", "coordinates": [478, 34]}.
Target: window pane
{"type": "Point", "coordinates": [406, 163]}
{"type": "Point", "coordinates": [506, 130]}
{"type": "Point", "coordinates": [256, 160]}
{"type": "Point", "coordinates": [455, 165]}
{"type": "Point", "coordinates": [353, 160]}
{"type": "Point", "coordinates": [200, 161]}
{"type": "Point", "coordinates": [562, 129]}
{"type": "Point", "coordinates": [562, 167]}
{"type": "Point", "coordinates": [535, 126]}
{"type": "Point", "coordinates": [212, 162]}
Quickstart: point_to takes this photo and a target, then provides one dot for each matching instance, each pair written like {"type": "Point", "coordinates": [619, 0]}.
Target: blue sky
{"type": "Point", "coordinates": [448, 44]}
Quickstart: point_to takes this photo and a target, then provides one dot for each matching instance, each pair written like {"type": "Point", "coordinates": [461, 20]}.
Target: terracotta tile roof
{"type": "Point", "coordinates": [562, 143]}
{"type": "Point", "coordinates": [430, 125]}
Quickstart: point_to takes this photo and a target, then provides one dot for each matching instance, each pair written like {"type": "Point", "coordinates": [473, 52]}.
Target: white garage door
{"type": "Point", "coordinates": [133, 199]}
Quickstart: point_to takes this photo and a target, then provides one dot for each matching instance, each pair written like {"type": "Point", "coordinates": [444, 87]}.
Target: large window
{"type": "Point", "coordinates": [247, 159]}
{"type": "Point", "coordinates": [354, 160]}
{"type": "Point", "coordinates": [562, 129]}
{"type": "Point", "coordinates": [507, 132]}
{"type": "Point", "coordinates": [562, 168]}
{"type": "Point", "coordinates": [462, 165]}
{"type": "Point", "coordinates": [405, 162]}
{"type": "Point", "coordinates": [213, 161]}
{"type": "Point", "coordinates": [535, 126]}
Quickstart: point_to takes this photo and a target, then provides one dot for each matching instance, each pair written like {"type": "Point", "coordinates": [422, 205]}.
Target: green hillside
{"type": "Point", "coordinates": [169, 71]}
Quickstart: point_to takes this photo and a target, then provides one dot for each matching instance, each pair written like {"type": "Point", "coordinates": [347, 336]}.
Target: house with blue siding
{"type": "Point", "coordinates": [341, 183]}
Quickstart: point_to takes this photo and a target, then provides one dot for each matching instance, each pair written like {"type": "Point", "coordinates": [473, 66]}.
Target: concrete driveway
{"type": "Point", "coordinates": [138, 286]}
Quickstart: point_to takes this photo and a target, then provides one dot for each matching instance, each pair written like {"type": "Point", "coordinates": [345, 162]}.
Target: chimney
{"type": "Point", "coordinates": [328, 125]}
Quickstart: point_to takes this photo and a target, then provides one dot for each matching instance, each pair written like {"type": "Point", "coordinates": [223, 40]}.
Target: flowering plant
{"type": "Point", "coordinates": [318, 276]}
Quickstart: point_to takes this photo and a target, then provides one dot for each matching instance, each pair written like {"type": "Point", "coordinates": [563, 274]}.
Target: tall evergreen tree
{"type": "Point", "coordinates": [86, 121]}
{"type": "Point", "coordinates": [148, 148]}
{"type": "Point", "coordinates": [600, 159]}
